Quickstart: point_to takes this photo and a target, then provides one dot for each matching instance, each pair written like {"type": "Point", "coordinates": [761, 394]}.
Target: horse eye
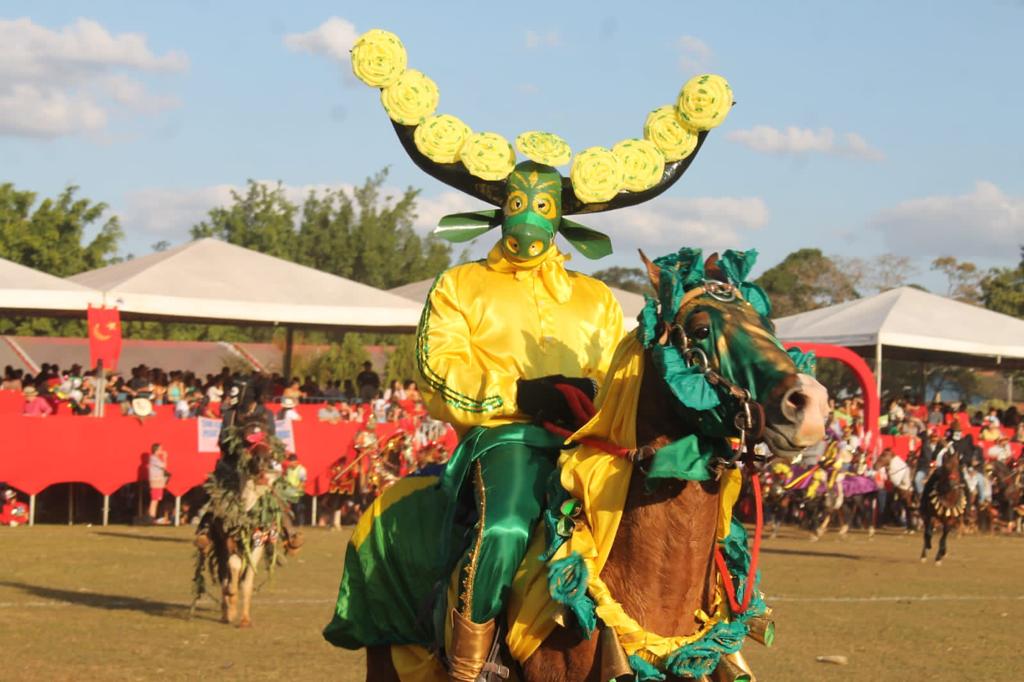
{"type": "Point", "coordinates": [701, 333]}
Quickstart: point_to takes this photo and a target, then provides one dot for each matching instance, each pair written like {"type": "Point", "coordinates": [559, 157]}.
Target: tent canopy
{"type": "Point", "coordinates": [209, 280]}
{"type": "Point", "coordinates": [23, 289]}
{"type": "Point", "coordinates": [910, 324]}
{"type": "Point", "coordinates": [631, 303]}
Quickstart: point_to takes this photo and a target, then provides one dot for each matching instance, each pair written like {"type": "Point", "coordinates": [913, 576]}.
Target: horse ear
{"type": "Point", "coordinates": [712, 269]}
{"type": "Point", "coordinates": [653, 271]}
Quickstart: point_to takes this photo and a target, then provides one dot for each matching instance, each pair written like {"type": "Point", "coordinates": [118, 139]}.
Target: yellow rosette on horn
{"type": "Point", "coordinates": [665, 129]}
{"type": "Point", "coordinates": [596, 175]}
{"type": "Point", "coordinates": [410, 99]}
{"type": "Point", "coordinates": [704, 102]}
{"type": "Point", "coordinates": [378, 58]}
{"type": "Point", "coordinates": [546, 148]}
{"type": "Point", "coordinates": [440, 138]}
{"type": "Point", "coordinates": [488, 156]}
{"type": "Point", "coordinates": [643, 164]}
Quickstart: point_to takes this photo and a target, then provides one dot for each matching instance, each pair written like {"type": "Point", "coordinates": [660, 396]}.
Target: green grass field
{"type": "Point", "coordinates": [111, 603]}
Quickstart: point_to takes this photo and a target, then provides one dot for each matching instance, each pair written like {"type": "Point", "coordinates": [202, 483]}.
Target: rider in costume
{"type": "Point", "coordinates": [497, 336]}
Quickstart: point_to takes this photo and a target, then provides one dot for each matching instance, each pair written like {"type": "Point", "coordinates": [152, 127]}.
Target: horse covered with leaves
{"type": "Point", "coordinates": [248, 516]}
{"type": "Point", "coordinates": [638, 546]}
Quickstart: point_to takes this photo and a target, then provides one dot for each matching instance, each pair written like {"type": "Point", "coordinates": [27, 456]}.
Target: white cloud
{"type": "Point", "coordinates": [333, 39]}
{"type": "Point", "coordinates": [695, 55]}
{"type": "Point", "coordinates": [796, 141]}
{"type": "Point", "coordinates": [670, 222]}
{"type": "Point", "coordinates": [47, 112]}
{"type": "Point", "coordinates": [68, 81]}
{"type": "Point", "coordinates": [985, 223]}
{"type": "Point", "coordinates": [536, 39]}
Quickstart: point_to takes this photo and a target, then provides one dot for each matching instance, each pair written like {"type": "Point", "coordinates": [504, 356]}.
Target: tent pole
{"type": "Point", "coordinates": [289, 346]}
{"type": "Point", "coordinates": [878, 371]}
{"type": "Point", "coordinates": [101, 390]}
{"type": "Point", "coordinates": [312, 511]}
{"type": "Point", "coordinates": [71, 504]}
{"type": "Point", "coordinates": [106, 509]}
{"type": "Point", "coordinates": [32, 509]}
{"type": "Point", "coordinates": [177, 510]}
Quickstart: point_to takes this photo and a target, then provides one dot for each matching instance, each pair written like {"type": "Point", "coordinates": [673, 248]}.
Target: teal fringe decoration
{"type": "Point", "coordinates": [806, 363]}
{"type": "Point", "coordinates": [645, 672]}
{"type": "Point", "coordinates": [567, 583]}
{"type": "Point", "coordinates": [701, 657]}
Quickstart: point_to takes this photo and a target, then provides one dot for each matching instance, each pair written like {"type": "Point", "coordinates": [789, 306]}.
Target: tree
{"type": "Point", "coordinates": [805, 279]}
{"type": "Point", "coordinates": [627, 279]}
{"type": "Point", "coordinates": [402, 361]}
{"type": "Point", "coordinates": [340, 361]}
{"type": "Point", "coordinates": [359, 235]}
{"type": "Point", "coordinates": [51, 237]}
{"type": "Point", "coordinates": [963, 278]}
{"type": "Point", "coordinates": [885, 272]}
{"type": "Point", "coordinates": [262, 219]}
{"type": "Point", "coordinates": [1002, 289]}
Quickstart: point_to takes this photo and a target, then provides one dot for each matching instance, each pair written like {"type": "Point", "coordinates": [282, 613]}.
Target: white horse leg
{"type": "Point", "coordinates": [248, 581]}
{"type": "Point", "coordinates": [229, 589]}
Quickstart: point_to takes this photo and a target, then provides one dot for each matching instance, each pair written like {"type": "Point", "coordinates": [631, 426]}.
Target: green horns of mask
{"type": "Point", "coordinates": [530, 217]}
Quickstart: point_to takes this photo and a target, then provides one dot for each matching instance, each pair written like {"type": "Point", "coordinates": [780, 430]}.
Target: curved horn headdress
{"type": "Point", "coordinates": [600, 179]}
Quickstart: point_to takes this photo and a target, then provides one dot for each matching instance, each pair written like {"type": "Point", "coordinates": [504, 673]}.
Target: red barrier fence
{"type": "Point", "coordinates": [108, 453]}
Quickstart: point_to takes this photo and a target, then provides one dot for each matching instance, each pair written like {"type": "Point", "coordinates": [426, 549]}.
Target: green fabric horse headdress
{"type": "Point", "coordinates": [532, 197]}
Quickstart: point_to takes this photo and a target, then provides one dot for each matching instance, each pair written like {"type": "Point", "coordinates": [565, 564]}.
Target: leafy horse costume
{"type": "Point", "coordinates": [494, 338]}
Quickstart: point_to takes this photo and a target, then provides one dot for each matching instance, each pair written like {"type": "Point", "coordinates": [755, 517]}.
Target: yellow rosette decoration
{"type": "Point", "coordinates": [705, 101]}
{"type": "Point", "coordinates": [643, 164]}
{"type": "Point", "coordinates": [488, 156]}
{"type": "Point", "coordinates": [410, 99]}
{"type": "Point", "coordinates": [378, 58]}
{"type": "Point", "coordinates": [666, 130]}
{"type": "Point", "coordinates": [546, 148]}
{"type": "Point", "coordinates": [440, 138]}
{"type": "Point", "coordinates": [596, 175]}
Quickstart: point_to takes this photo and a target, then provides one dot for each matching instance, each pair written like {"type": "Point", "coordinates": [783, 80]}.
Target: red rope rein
{"type": "Point", "coordinates": [755, 555]}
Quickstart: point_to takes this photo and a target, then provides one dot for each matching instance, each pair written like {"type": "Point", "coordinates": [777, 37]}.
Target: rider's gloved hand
{"type": "Point", "coordinates": [540, 399]}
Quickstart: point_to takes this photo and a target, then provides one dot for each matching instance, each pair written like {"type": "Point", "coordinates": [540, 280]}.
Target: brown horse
{"type": "Point", "coordinates": [661, 567]}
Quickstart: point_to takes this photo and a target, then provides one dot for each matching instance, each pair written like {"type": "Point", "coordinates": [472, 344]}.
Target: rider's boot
{"type": "Point", "coordinates": [471, 644]}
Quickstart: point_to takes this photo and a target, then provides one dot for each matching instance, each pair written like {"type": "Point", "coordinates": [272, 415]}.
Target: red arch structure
{"type": "Point", "coordinates": [864, 375]}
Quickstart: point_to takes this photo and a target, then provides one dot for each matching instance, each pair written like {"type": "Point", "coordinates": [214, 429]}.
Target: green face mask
{"type": "Point", "coordinates": [532, 210]}
{"type": "Point", "coordinates": [530, 217]}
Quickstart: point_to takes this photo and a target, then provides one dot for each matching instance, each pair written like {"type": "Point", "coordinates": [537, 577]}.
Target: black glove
{"type": "Point", "coordinates": [538, 398]}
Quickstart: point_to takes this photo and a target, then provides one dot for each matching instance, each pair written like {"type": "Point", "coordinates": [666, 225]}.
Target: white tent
{"type": "Point", "coordinates": [28, 291]}
{"type": "Point", "coordinates": [209, 280]}
{"type": "Point", "coordinates": [631, 303]}
{"type": "Point", "coordinates": [910, 324]}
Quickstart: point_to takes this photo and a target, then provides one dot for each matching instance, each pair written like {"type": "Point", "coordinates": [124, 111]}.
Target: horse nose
{"type": "Point", "coordinates": [803, 408]}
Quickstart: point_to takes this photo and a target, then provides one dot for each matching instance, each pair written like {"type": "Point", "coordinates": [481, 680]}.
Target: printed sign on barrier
{"type": "Point", "coordinates": [209, 430]}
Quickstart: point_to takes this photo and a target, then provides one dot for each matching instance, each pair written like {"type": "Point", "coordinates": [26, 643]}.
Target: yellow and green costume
{"type": "Point", "coordinates": [518, 315]}
{"type": "Point", "coordinates": [486, 326]}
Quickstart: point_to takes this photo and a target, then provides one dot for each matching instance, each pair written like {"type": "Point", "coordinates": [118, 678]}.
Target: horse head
{"type": "Point", "coordinates": [710, 336]}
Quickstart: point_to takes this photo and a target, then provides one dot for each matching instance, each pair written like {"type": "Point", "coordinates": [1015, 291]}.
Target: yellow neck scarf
{"type": "Point", "coordinates": [549, 265]}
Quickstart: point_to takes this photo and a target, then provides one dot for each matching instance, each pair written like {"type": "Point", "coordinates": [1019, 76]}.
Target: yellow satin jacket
{"type": "Point", "coordinates": [489, 323]}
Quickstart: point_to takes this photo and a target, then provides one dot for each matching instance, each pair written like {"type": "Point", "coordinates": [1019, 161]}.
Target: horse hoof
{"type": "Point", "coordinates": [938, 562]}
{"type": "Point", "coordinates": [924, 559]}
{"type": "Point", "coordinates": [245, 623]}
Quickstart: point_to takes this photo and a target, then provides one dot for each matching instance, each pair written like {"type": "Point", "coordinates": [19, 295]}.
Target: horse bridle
{"type": "Point", "coordinates": [749, 420]}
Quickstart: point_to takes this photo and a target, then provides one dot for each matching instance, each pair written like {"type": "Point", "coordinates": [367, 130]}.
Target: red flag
{"type": "Point", "coordinates": [104, 336]}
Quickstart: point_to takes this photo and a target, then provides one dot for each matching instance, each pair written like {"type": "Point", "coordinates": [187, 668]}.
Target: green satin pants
{"type": "Point", "coordinates": [509, 482]}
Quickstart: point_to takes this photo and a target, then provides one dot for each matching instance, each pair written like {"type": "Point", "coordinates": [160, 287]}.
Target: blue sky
{"type": "Point", "coordinates": [861, 128]}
